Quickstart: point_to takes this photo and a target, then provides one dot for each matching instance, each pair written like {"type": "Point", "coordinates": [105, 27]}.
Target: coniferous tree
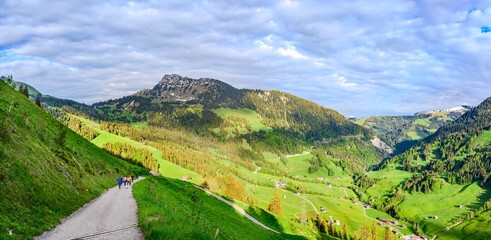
{"type": "Point", "coordinates": [388, 234]}
{"type": "Point", "coordinates": [23, 89]}
{"type": "Point", "coordinates": [374, 231]}
{"type": "Point", "coordinates": [344, 232]}
{"type": "Point", "coordinates": [275, 204]}
{"type": "Point", "coordinates": [38, 101]}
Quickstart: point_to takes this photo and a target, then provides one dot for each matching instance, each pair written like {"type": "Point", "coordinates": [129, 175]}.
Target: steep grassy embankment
{"type": "Point", "coordinates": [46, 170]}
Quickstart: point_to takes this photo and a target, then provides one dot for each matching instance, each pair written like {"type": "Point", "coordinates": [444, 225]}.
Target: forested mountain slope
{"type": "Point", "coordinates": [402, 132]}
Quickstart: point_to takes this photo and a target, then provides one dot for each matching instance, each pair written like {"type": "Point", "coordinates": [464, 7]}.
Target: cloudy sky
{"type": "Point", "coordinates": [358, 57]}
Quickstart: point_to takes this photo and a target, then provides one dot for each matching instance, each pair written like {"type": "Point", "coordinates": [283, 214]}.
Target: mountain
{"type": "Point", "coordinates": [46, 170]}
{"type": "Point", "coordinates": [441, 184]}
{"type": "Point", "coordinates": [402, 132]}
{"type": "Point", "coordinates": [460, 150]}
{"type": "Point", "coordinates": [207, 91]}
{"type": "Point", "coordinates": [277, 109]}
{"type": "Point", "coordinates": [209, 106]}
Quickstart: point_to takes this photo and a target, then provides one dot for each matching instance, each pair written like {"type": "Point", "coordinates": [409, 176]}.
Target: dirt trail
{"type": "Point", "coordinates": [113, 215]}
{"type": "Point", "coordinates": [446, 229]}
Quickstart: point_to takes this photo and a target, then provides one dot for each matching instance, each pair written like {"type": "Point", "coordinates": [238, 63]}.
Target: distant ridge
{"type": "Point", "coordinates": [460, 109]}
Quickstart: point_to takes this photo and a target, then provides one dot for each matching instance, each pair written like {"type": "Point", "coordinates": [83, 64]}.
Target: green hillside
{"type": "Point", "coordinates": [441, 182]}
{"type": "Point", "coordinates": [402, 132]}
{"type": "Point", "coordinates": [189, 213]}
{"type": "Point", "coordinates": [46, 170]}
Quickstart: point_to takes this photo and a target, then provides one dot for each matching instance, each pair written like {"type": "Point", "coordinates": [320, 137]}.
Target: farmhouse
{"type": "Point", "coordinates": [281, 184]}
{"type": "Point", "coordinates": [387, 221]}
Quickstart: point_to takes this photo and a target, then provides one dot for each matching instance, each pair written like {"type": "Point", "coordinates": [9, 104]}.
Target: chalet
{"type": "Point", "coordinates": [184, 178]}
{"type": "Point", "coordinates": [413, 237]}
{"type": "Point", "coordinates": [366, 206]}
{"type": "Point", "coordinates": [281, 184]}
{"type": "Point", "coordinates": [323, 210]}
{"type": "Point", "coordinates": [387, 221]}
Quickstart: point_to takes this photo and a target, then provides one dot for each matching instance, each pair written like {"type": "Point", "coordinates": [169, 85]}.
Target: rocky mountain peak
{"type": "Point", "coordinates": [176, 88]}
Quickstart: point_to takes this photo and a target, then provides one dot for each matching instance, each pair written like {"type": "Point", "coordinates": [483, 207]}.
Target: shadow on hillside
{"type": "Point", "coordinates": [483, 197]}
{"type": "Point", "coordinates": [260, 214]}
{"type": "Point", "coordinates": [270, 220]}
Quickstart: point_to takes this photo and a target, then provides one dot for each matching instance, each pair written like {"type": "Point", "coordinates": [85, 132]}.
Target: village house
{"type": "Point", "coordinates": [281, 184]}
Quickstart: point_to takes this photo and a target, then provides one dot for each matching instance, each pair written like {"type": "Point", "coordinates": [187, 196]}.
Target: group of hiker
{"type": "Point", "coordinates": [126, 181]}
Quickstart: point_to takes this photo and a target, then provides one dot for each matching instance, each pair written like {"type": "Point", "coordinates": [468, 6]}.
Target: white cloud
{"type": "Point", "coordinates": [358, 57]}
{"type": "Point", "coordinates": [290, 51]}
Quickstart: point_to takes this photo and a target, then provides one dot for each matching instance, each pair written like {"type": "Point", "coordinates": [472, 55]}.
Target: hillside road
{"type": "Point", "coordinates": [113, 215]}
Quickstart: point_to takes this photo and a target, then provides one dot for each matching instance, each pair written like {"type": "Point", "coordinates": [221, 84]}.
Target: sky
{"type": "Point", "coordinates": [385, 57]}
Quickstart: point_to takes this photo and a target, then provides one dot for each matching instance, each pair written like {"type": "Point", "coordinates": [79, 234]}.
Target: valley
{"type": "Point", "coordinates": [299, 168]}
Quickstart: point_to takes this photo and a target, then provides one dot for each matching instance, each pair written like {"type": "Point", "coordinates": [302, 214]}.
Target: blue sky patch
{"type": "Point", "coordinates": [485, 29]}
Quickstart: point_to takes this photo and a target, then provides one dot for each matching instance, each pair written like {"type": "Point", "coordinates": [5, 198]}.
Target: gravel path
{"type": "Point", "coordinates": [111, 216]}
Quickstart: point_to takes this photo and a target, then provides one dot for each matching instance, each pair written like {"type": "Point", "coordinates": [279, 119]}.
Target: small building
{"type": "Point", "coordinates": [366, 206]}
{"type": "Point", "coordinates": [323, 210]}
{"type": "Point", "coordinates": [184, 178]}
{"type": "Point", "coordinates": [387, 221]}
{"type": "Point", "coordinates": [281, 184]}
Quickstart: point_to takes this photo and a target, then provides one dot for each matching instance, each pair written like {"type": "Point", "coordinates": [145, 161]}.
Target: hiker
{"type": "Point", "coordinates": [126, 181]}
{"type": "Point", "coordinates": [120, 181]}
{"type": "Point", "coordinates": [130, 179]}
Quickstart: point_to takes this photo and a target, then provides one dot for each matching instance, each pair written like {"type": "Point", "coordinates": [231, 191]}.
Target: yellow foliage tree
{"type": "Point", "coordinates": [233, 188]}
{"type": "Point", "coordinates": [275, 204]}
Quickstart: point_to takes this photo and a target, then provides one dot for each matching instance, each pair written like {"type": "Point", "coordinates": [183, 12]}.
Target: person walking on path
{"type": "Point", "coordinates": [120, 181]}
{"type": "Point", "coordinates": [126, 181]}
{"type": "Point", "coordinates": [130, 179]}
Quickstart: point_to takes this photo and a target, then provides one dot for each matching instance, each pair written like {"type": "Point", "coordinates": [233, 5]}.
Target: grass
{"type": "Point", "coordinates": [167, 168]}
{"type": "Point", "coordinates": [173, 209]}
{"type": "Point", "coordinates": [43, 179]}
{"type": "Point", "coordinates": [250, 116]}
{"type": "Point", "coordinates": [414, 135]}
{"type": "Point", "coordinates": [387, 180]}
{"type": "Point", "coordinates": [139, 124]}
{"type": "Point", "coordinates": [442, 203]}
{"type": "Point", "coordinates": [483, 139]}
{"type": "Point", "coordinates": [424, 121]}
{"type": "Point", "coordinates": [476, 228]}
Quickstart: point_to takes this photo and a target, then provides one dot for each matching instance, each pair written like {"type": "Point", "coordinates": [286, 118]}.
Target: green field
{"type": "Point", "coordinates": [442, 203]}
{"type": "Point", "coordinates": [476, 228]}
{"type": "Point", "coordinates": [167, 168]}
{"type": "Point", "coordinates": [247, 115]}
{"type": "Point", "coordinates": [425, 122]}
{"type": "Point", "coordinates": [483, 139]}
{"type": "Point", "coordinates": [175, 208]}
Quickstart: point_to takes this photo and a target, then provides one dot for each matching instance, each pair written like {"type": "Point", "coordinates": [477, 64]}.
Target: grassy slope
{"type": "Point", "coordinates": [41, 181]}
{"type": "Point", "coordinates": [477, 228]}
{"type": "Point", "coordinates": [483, 139]}
{"type": "Point", "coordinates": [173, 209]}
{"type": "Point", "coordinates": [248, 115]}
{"type": "Point", "coordinates": [167, 168]}
{"type": "Point", "coordinates": [420, 207]}
{"type": "Point", "coordinates": [442, 203]}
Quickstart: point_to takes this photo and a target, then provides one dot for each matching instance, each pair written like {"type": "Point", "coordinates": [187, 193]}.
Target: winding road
{"type": "Point", "coordinates": [113, 215]}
